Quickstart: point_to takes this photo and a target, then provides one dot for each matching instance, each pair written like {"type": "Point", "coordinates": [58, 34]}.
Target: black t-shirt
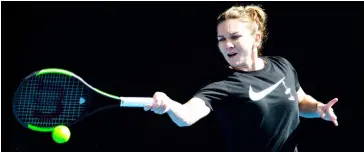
{"type": "Point", "coordinates": [258, 110]}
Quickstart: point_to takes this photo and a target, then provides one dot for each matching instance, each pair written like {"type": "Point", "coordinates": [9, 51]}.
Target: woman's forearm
{"type": "Point", "coordinates": [188, 113]}
{"type": "Point", "coordinates": [308, 107]}
{"type": "Point", "coordinates": [178, 114]}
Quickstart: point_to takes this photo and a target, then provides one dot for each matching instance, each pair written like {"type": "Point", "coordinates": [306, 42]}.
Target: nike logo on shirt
{"type": "Point", "coordinates": [260, 95]}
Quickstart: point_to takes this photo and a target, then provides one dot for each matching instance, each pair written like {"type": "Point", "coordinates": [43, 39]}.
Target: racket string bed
{"type": "Point", "coordinates": [49, 100]}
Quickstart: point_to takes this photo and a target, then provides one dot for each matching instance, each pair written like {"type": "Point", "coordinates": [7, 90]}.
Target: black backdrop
{"type": "Point", "coordinates": [135, 49]}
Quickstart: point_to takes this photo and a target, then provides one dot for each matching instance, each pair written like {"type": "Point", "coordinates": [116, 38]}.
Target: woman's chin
{"type": "Point", "coordinates": [235, 63]}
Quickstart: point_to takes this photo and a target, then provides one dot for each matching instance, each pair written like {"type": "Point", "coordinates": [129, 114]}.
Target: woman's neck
{"type": "Point", "coordinates": [254, 64]}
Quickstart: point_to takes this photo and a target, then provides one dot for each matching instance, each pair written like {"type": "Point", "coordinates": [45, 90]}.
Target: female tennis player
{"type": "Point", "coordinates": [259, 100]}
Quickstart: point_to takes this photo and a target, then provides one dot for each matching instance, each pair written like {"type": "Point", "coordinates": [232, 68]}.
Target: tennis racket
{"type": "Point", "coordinates": [51, 97]}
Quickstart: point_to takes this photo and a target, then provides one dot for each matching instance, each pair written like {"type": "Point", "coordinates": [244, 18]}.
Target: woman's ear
{"type": "Point", "coordinates": [257, 39]}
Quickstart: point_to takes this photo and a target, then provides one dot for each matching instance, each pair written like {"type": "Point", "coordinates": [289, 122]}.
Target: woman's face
{"type": "Point", "coordinates": [236, 42]}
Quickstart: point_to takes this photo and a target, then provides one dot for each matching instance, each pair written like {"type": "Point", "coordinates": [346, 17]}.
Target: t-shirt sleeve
{"type": "Point", "coordinates": [213, 92]}
{"type": "Point", "coordinates": [294, 72]}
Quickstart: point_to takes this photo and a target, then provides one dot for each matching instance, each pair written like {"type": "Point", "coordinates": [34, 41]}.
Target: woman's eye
{"type": "Point", "coordinates": [235, 37]}
{"type": "Point", "coordinates": [220, 39]}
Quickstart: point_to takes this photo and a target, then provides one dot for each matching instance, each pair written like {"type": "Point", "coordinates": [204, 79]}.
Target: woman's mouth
{"type": "Point", "coordinates": [230, 55]}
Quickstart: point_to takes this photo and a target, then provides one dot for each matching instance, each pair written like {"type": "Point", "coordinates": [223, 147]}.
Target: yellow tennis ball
{"type": "Point", "coordinates": [61, 134]}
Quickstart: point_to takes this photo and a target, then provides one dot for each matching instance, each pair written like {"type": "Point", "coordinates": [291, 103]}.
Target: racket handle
{"type": "Point", "coordinates": [135, 101]}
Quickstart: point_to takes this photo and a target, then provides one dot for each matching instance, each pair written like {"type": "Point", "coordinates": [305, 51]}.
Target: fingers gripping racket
{"type": "Point", "coordinates": [52, 97]}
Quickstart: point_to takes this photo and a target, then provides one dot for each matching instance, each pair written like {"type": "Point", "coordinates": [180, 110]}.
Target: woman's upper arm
{"type": "Point", "coordinates": [200, 104]}
{"type": "Point", "coordinates": [300, 95]}
{"type": "Point", "coordinates": [197, 108]}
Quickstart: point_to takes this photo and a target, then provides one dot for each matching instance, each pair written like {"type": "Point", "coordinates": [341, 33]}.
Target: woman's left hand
{"type": "Point", "coordinates": [326, 112]}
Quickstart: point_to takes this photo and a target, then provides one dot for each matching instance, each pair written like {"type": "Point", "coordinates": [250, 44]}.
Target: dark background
{"type": "Point", "coordinates": [135, 49]}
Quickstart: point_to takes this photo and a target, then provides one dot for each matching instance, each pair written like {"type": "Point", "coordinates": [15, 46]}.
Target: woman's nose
{"type": "Point", "coordinates": [229, 45]}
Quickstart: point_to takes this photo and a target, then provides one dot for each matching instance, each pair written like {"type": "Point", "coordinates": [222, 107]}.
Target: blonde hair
{"type": "Point", "coordinates": [250, 13]}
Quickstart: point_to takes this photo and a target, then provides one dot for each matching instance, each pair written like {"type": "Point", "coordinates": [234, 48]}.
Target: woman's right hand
{"type": "Point", "coordinates": [161, 103]}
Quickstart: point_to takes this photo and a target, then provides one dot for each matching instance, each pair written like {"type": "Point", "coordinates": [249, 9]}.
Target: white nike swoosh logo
{"type": "Point", "coordinates": [260, 95]}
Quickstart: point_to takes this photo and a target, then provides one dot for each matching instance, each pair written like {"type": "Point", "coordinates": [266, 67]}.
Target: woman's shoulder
{"type": "Point", "coordinates": [277, 60]}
